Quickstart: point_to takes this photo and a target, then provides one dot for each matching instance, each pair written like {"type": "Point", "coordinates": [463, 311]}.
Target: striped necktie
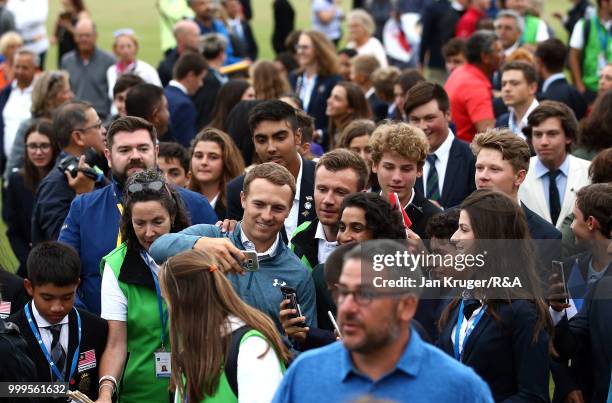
{"type": "Point", "coordinates": [433, 188]}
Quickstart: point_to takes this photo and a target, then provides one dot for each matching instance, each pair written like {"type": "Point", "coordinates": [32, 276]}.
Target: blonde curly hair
{"type": "Point", "coordinates": [401, 138]}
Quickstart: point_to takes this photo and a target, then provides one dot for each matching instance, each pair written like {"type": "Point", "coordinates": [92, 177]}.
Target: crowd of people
{"type": "Point", "coordinates": [212, 229]}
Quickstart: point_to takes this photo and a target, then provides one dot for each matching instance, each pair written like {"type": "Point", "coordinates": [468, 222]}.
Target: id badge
{"type": "Point", "coordinates": [162, 364]}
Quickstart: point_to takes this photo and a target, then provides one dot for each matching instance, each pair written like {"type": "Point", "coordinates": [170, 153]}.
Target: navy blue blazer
{"type": "Point", "coordinates": [234, 187]}
{"type": "Point", "coordinates": [318, 99]}
{"type": "Point", "coordinates": [182, 115]}
{"type": "Point", "coordinates": [503, 353]}
{"type": "Point", "coordinates": [562, 91]}
{"type": "Point", "coordinates": [459, 177]}
{"type": "Point", "coordinates": [502, 120]}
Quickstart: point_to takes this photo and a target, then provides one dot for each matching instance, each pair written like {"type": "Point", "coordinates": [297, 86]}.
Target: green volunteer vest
{"type": "Point", "coordinates": [531, 30]}
{"type": "Point", "coordinates": [139, 383]}
{"type": "Point", "coordinates": [591, 51]}
{"type": "Point", "coordinates": [224, 393]}
{"type": "Point", "coordinates": [302, 227]}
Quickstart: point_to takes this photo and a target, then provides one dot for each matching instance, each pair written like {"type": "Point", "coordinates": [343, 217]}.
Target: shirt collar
{"type": "Point", "coordinates": [250, 246]}
{"type": "Point", "coordinates": [320, 234]}
{"type": "Point", "coordinates": [178, 85]}
{"type": "Point", "coordinates": [369, 93]}
{"type": "Point", "coordinates": [457, 6]}
{"type": "Point", "coordinates": [42, 322]}
{"type": "Point", "coordinates": [551, 79]}
{"type": "Point", "coordinates": [541, 170]}
{"type": "Point", "coordinates": [409, 201]}
{"type": "Point", "coordinates": [409, 363]}
{"type": "Point", "coordinates": [523, 122]}
{"type": "Point", "coordinates": [26, 90]}
{"type": "Point", "coordinates": [444, 150]}
{"type": "Point", "coordinates": [298, 182]}
{"type": "Point", "coordinates": [512, 48]}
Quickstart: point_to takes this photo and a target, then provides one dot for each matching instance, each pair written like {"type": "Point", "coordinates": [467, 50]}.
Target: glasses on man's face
{"type": "Point", "coordinates": [96, 126]}
{"type": "Point", "coordinates": [364, 296]}
{"type": "Point", "coordinates": [139, 187]}
{"type": "Point", "coordinates": [44, 147]}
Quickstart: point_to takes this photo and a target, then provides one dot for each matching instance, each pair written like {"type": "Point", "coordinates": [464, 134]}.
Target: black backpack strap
{"type": "Point", "coordinates": [231, 364]}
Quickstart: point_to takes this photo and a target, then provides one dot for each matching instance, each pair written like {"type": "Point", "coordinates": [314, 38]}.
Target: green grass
{"type": "Point", "coordinates": [141, 15]}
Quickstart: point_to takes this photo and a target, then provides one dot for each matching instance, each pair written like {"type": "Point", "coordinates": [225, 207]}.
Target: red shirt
{"type": "Point", "coordinates": [466, 25]}
{"type": "Point", "coordinates": [471, 99]}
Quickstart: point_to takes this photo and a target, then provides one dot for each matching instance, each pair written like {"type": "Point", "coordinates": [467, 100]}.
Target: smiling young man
{"type": "Point", "coordinates": [266, 198]}
{"type": "Point", "coordinates": [338, 173]}
{"type": "Point", "coordinates": [448, 173]}
{"type": "Point", "coordinates": [519, 86]}
{"type": "Point", "coordinates": [277, 137]}
{"type": "Point", "coordinates": [554, 174]}
{"type": "Point", "coordinates": [92, 224]}
{"type": "Point", "coordinates": [398, 155]}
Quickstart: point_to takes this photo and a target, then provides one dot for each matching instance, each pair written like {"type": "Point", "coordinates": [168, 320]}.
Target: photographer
{"type": "Point", "coordinates": [78, 132]}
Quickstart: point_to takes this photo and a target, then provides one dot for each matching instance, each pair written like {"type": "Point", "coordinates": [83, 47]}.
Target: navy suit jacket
{"type": "Point", "coordinates": [235, 210]}
{"type": "Point", "coordinates": [459, 177]}
{"type": "Point", "coordinates": [502, 120]}
{"type": "Point", "coordinates": [182, 115]}
{"type": "Point", "coordinates": [318, 99]}
{"type": "Point", "coordinates": [562, 91]}
{"type": "Point", "coordinates": [503, 353]}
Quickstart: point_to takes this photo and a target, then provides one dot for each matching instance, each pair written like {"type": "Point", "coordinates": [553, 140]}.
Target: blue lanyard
{"type": "Point", "coordinates": [163, 316]}
{"type": "Point", "coordinates": [603, 35]}
{"type": "Point", "coordinates": [75, 357]}
{"type": "Point", "coordinates": [459, 351]}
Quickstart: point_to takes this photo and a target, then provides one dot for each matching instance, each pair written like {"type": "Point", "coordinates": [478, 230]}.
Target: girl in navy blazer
{"type": "Point", "coordinates": [502, 333]}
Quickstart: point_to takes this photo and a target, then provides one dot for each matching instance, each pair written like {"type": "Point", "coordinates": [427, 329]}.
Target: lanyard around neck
{"type": "Point", "coordinates": [459, 347]}
{"type": "Point", "coordinates": [163, 315]}
{"type": "Point", "coordinates": [36, 332]}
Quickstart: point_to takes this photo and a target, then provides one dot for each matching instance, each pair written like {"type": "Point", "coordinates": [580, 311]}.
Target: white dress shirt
{"type": "Point", "coordinates": [45, 333]}
{"type": "Point", "coordinates": [442, 156]}
{"type": "Point", "coordinates": [16, 110]}
{"type": "Point", "coordinates": [325, 247]}
{"type": "Point", "coordinates": [517, 128]}
{"type": "Point", "coordinates": [250, 246]}
{"type": "Point", "coordinates": [291, 222]}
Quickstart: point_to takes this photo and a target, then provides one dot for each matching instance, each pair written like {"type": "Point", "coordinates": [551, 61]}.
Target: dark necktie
{"type": "Point", "coordinates": [469, 306]}
{"type": "Point", "coordinates": [433, 189]}
{"type": "Point", "coordinates": [58, 355]}
{"type": "Point", "coordinates": [553, 195]}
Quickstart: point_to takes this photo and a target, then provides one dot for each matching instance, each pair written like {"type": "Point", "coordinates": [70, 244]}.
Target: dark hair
{"type": "Point", "coordinates": [340, 159]}
{"type": "Point", "coordinates": [424, 92]}
{"type": "Point", "coordinates": [480, 42]}
{"type": "Point", "coordinates": [166, 196]}
{"type": "Point", "coordinates": [455, 46]}
{"type": "Point", "coordinates": [383, 80]}
{"type": "Point", "coordinates": [274, 110]}
{"type": "Point", "coordinates": [408, 79]}
{"type": "Point", "coordinates": [31, 175]}
{"type": "Point", "coordinates": [348, 52]}
{"type": "Point", "coordinates": [596, 130]}
{"type": "Point", "coordinates": [189, 62]}
{"type": "Point", "coordinates": [228, 96]}
{"type": "Point", "coordinates": [529, 72]}
{"type": "Point", "coordinates": [600, 170]}
{"type": "Point", "coordinates": [356, 101]}
{"type": "Point", "coordinates": [357, 128]}
{"type": "Point", "coordinates": [381, 218]}
{"type": "Point", "coordinates": [443, 225]}
{"type": "Point", "coordinates": [212, 45]}
{"type": "Point", "coordinates": [172, 150]}
{"type": "Point", "coordinates": [287, 59]}
{"type": "Point", "coordinates": [596, 201]}
{"type": "Point", "coordinates": [554, 109]}
{"type": "Point", "coordinates": [67, 118]}
{"type": "Point", "coordinates": [125, 82]}
{"type": "Point", "coordinates": [552, 53]}
{"type": "Point", "coordinates": [142, 99]}
{"type": "Point", "coordinates": [53, 263]}
{"type": "Point", "coordinates": [129, 124]}
{"type": "Point", "coordinates": [307, 124]}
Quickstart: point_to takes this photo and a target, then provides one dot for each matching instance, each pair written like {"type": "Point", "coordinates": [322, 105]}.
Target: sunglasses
{"type": "Point", "coordinates": [155, 186]}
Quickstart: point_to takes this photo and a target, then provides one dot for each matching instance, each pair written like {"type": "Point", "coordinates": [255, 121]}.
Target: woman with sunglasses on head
{"type": "Point", "coordinates": [502, 333]}
{"type": "Point", "coordinates": [223, 350]}
{"type": "Point", "coordinates": [214, 161]}
{"type": "Point", "coordinates": [41, 151]}
{"type": "Point", "coordinates": [50, 90]}
{"type": "Point", "coordinates": [137, 317]}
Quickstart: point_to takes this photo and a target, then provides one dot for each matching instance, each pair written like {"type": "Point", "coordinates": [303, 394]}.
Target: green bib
{"type": "Point", "coordinates": [531, 30]}
{"type": "Point", "coordinates": [592, 50]}
{"type": "Point", "coordinates": [139, 383]}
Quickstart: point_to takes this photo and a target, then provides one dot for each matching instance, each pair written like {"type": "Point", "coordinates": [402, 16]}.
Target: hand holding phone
{"type": "Point", "coordinates": [250, 263]}
{"type": "Point", "coordinates": [558, 296]}
{"type": "Point", "coordinates": [290, 294]}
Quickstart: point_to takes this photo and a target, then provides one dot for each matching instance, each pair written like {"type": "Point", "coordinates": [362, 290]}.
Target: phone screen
{"type": "Point", "coordinates": [557, 268]}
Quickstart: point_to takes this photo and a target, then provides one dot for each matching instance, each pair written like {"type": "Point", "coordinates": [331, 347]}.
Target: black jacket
{"type": "Point", "coordinates": [204, 100]}
{"type": "Point", "coordinates": [16, 363]}
{"type": "Point", "coordinates": [284, 22]}
{"type": "Point", "coordinates": [304, 244]}
{"type": "Point", "coordinates": [165, 67]}
{"type": "Point", "coordinates": [459, 176]}
{"type": "Point", "coordinates": [13, 291]}
{"type": "Point", "coordinates": [432, 40]}
{"type": "Point", "coordinates": [419, 212]}
{"type": "Point", "coordinates": [93, 337]}
{"type": "Point", "coordinates": [4, 96]}
{"type": "Point", "coordinates": [562, 91]}
{"type": "Point", "coordinates": [17, 214]}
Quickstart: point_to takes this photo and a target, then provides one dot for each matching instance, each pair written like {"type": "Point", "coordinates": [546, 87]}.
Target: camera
{"type": "Point", "coordinates": [70, 164]}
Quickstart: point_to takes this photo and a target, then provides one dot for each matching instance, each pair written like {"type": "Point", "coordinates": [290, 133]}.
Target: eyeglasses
{"type": "Point", "coordinates": [39, 146]}
{"type": "Point", "coordinates": [96, 126]}
{"type": "Point", "coordinates": [363, 296]}
{"type": "Point", "coordinates": [155, 186]}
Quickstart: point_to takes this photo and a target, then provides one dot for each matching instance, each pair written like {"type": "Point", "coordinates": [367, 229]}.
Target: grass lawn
{"type": "Point", "coordinates": [141, 15]}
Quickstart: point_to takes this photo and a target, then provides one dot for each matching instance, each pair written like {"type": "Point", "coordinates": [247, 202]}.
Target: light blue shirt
{"type": "Point", "coordinates": [423, 374]}
{"type": "Point", "coordinates": [333, 29]}
{"type": "Point", "coordinates": [542, 172]}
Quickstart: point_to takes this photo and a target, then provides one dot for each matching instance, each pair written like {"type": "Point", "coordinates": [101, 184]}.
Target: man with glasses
{"type": "Point", "coordinates": [92, 224]}
{"type": "Point", "coordinates": [77, 129]}
{"type": "Point", "coordinates": [380, 353]}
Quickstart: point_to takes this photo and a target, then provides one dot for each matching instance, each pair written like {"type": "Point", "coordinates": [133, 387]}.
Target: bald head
{"type": "Point", "coordinates": [186, 33]}
{"type": "Point", "coordinates": [85, 35]}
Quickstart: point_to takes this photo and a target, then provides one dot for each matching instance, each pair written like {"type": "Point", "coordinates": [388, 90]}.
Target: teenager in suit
{"type": "Point", "coordinates": [502, 334]}
{"type": "Point", "coordinates": [554, 175]}
{"type": "Point", "coordinates": [65, 343]}
{"type": "Point", "coordinates": [276, 136]}
{"type": "Point", "coordinates": [316, 76]}
{"type": "Point", "coordinates": [188, 76]}
{"type": "Point", "coordinates": [362, 68]}
{"type": "Point", "coordinates": [449, 166]}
